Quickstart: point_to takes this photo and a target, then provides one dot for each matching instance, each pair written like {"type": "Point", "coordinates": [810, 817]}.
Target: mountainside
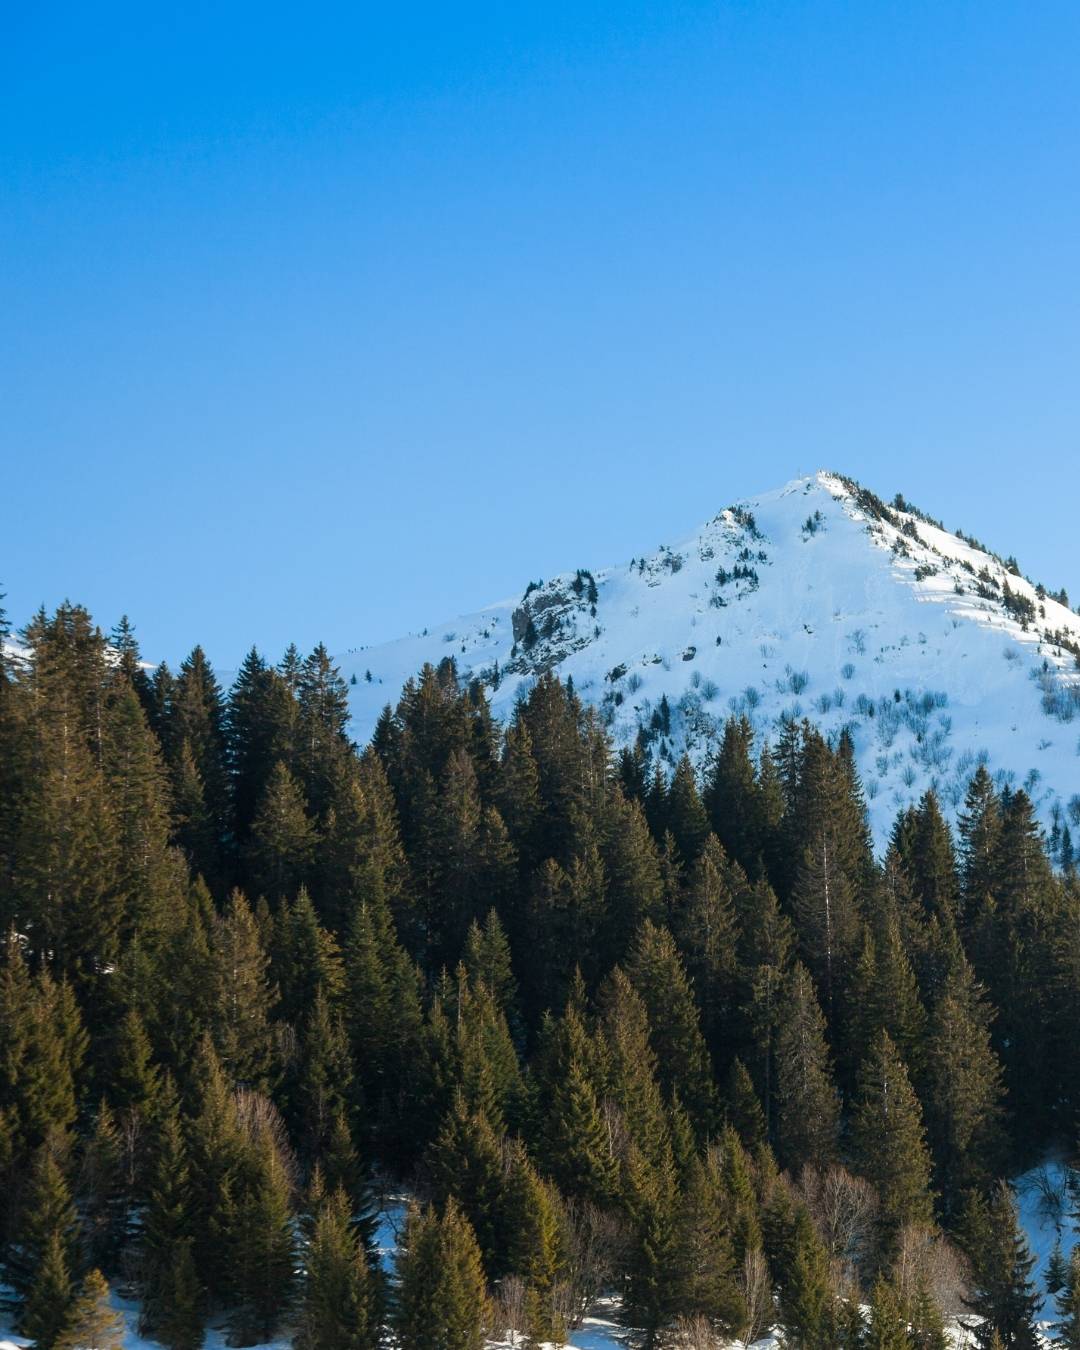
{"type": "Point", "coordinates": [816, 600]}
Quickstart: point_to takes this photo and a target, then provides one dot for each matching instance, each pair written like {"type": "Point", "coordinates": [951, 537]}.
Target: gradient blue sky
{"type": "Point", "coordinates": [330, 321]}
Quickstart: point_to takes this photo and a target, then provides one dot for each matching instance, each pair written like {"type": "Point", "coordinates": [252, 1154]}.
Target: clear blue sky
{"type": "Point", "coordinates": [330, 321]}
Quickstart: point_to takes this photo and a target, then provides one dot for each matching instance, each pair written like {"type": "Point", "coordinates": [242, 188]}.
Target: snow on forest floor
{"type": "Point", "coordinates": [1043, 1200]}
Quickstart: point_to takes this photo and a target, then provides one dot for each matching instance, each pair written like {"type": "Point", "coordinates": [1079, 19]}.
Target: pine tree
{"type": "Point", "coordinates": [888, 1138]}
{"type": "Point", "coordinates": [442, 1296]}
{"type": "Point", "coordinates": [92, 1324]}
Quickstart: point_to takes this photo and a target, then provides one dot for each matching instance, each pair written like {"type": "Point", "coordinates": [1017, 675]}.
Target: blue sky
{"type": "Point", "coordinates": [327, 322]}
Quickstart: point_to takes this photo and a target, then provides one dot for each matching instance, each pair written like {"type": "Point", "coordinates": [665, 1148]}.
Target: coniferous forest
{"type": "Point", "coordinates": [617, 1028]}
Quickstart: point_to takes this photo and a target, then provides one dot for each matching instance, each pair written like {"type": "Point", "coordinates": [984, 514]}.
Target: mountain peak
{"type": "Point", "coordinates": [816, 600]}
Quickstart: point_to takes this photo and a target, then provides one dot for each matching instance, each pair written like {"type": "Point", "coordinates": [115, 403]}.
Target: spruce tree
{"type": "Point", "coordinates": [261, 1242]}
{"type": "Point", "coordinates": [807, 1105]}
{"type": "Point", "coordinates": [888, 1138]}
{"type": "Point", "coordinates": [442, 1301]}
{"type": "Point", "coordinates": [657, 973]}
{"type": "Point", "coordinates": [963, 1089]}
{"type": "Point", "coordinates": [1003, 1294]}
{"type": "Point", "coordinates": [42, 1251]}
{"type": "Point", "coordinates": [806, 1295]}
{"type": "Point", "coordinates": [1067, 1302]}
{"type": "Point", "coordinates": [342, 1298]}
{"type": "Point", "coordinates": [46, 1309]}
{"type": "Point", "coordinates": [92, 1323]}
{"type": "Point", "coordinates": [283, 837]}
{"type": "Point", "coordinates": [888, 1329]}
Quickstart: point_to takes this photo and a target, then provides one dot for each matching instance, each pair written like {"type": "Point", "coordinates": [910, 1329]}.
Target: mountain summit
{"type": "Point", "coordinates": [814, 601]}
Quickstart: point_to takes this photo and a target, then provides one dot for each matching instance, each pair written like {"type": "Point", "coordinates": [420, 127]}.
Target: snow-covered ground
{"type": "Point", "coordinates": [1042, 1196]}
{"type": "Point", "coordinates": [800, 602]}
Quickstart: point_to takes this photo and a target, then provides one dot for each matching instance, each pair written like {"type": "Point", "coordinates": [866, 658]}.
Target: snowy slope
{"type": "Point", "coordinates": [814, 600]}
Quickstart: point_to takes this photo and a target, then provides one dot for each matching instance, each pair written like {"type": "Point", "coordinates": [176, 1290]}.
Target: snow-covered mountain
{"type": "Point", "coordinates": [816, 600]}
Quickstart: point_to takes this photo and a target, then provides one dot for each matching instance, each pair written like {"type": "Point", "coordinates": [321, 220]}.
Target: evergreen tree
{"type": "Point", "coordinates": [888, 1138]}
{"type": "Point", "coordinates": [807, 1106]}
{"type": "Point", "coordinates": [242, 995]}
{"type": "Point", "coordinates": [963, 1089]}
{"type": "Point", "coordinates": [806, 1296]}
{"type": "Point", "coordinates": [283, 838]}
{"type": "Point", "coordinates": [466, 1163]}
{"type": "Point", "coordinates": [41, 1255]}
{"type": "Point", "coordinates": [47, 1308]}
{"type": "Point", "coordinates": [169, 1286]}
{"type": "Point", "coordinates": [261, 1243]}
{"type": "Point", "coordinates": [888, 1328]}
{"type": "Point", "coordinates": [342, 1298]}
{"type": "Point", "coordinates": [442, 1299]}
{"type": "Point", "coordinates": [686, 817]}
{"type": "Point", "coordinates": [1067, 1302]}
{"type": "Point", "coordinates": [682, 1059]}
{"type": "Point", "coordinates": [92, 1323]}
{"type": "Point", "coordinates": [707, 1279]}
{"type": "Point", "coordinates": [705, 925]}
{"type": "Point", "coordinates": [1003, 1294]}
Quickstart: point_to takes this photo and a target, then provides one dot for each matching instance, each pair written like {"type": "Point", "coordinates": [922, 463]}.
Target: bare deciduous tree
{"type": "Point", "coordinates": [509, 1314]}
{"type": "Point", "coordinates": [757, 1294]}
{"type": "Point", "coordinates": [843, 1208]}
{"type": "Point", "coordinates": [595, 1243]}
{"type": "Point", "coordinates": [924, 1255]}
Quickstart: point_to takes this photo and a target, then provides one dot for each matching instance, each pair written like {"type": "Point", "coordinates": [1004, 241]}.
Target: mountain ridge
{"type": "Point", "coordinates": [814, 600]}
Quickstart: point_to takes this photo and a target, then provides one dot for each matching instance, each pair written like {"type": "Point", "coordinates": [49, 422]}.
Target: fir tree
{"type": "Point", "coordinates": [42, 1255]}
